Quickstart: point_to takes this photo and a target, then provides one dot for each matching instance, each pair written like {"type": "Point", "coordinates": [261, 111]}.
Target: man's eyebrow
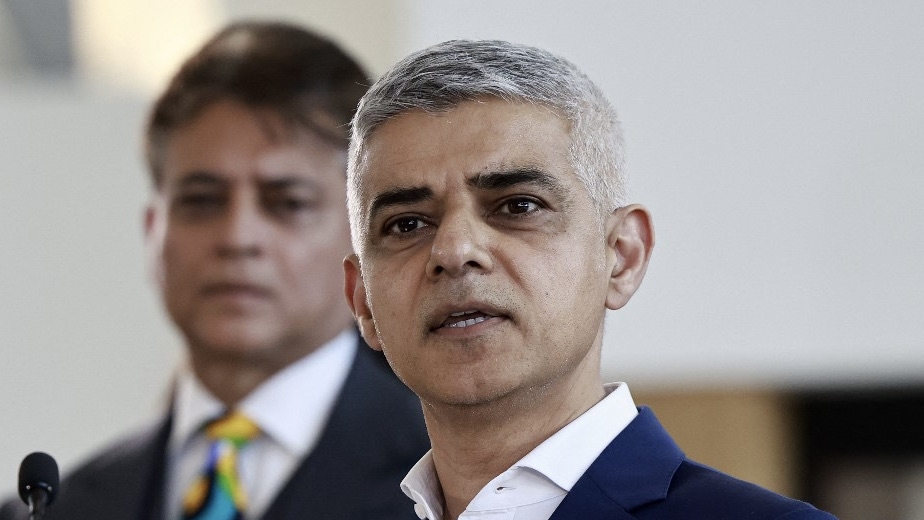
{"type": "Point", "coordinates": [398, 197]}
{"type": "Point", "coordinates": [498, 180]}
{"type": "Point", "coordinates": [293, 181]}
{"type": "Point", "coordinates": [485, 181]}
{"type": "Point", "coordinates": [206, 178]}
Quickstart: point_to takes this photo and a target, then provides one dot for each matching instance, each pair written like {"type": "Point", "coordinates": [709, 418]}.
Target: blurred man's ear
{"type": "Point", "coordinates": [630, 240]}
{"type": "Point", "coordinates": [355, 292]}
{"type": "Point", "coordinates": [154, 228]}
{"type": "Point", "coordinates": [149, 217]}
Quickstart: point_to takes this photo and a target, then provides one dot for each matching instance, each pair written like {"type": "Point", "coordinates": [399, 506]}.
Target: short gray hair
{"type": "Point", "coordinates": [442, 76]}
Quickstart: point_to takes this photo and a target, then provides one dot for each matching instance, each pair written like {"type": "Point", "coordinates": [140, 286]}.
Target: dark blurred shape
{"type": "Point", "coordinates": [864, 452]}
{"type": "Point", "coordinates": [44, 33]}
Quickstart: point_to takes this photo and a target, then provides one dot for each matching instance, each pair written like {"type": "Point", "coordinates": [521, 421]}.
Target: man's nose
{"type": "Point", "coordinates": [461, 244]}
{"type": "Point", "coordinates": [242, 229]}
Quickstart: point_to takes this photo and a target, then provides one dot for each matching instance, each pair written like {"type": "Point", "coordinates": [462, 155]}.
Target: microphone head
{"type": "Point", "coordinates": [38, 470]}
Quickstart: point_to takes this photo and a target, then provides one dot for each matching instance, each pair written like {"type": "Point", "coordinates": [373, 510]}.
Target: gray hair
{"type": "Point", "coordinates": [442, 76]}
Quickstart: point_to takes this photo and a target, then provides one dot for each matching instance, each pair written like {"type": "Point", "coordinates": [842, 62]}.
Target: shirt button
{"type": "Point", "coordinates": [421, 511]}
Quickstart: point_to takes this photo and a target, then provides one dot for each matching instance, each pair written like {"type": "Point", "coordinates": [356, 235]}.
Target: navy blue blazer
{"type": "Point", "coordinates": [374, 436]}
{"type": "Point", "coordinates": [643, 475]}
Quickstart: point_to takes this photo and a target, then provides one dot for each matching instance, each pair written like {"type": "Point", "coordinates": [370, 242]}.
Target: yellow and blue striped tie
{"type": "Point", "coordinates": [217, 494]}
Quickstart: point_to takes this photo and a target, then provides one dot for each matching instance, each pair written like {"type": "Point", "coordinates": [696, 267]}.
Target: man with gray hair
{"type": "Point", "coordinates": [491, 234]}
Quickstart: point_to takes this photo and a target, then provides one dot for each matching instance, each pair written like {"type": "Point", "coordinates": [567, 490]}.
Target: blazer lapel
{"type": "Point", "coordinates": [354, 462]}
{"type": "Point", "coordinates": [636, 468]}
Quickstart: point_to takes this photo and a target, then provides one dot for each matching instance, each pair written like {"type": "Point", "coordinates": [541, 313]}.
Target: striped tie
{"type": "Point", "coordinates": [217, 494]}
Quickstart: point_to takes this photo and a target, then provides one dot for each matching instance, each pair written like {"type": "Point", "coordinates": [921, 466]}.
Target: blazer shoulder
{"type": "Point", "coordinates": [643, 474]}
{"type": "Point", "coordinates": [129, 452]}
{"type": "Point", "coordinates": [376, 399]}
{"type": "Point", "coordinates": [697, 487]}
{"type": "Point", "coordinates": [372, 379]}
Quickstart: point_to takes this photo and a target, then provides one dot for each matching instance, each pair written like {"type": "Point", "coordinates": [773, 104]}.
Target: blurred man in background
{"type": "Point", "coordinates": [281, 411]}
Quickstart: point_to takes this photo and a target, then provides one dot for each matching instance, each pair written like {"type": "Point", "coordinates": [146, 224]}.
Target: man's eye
{"type": "Point", "coordinates": [404, 225]}
{"type": "Point", "coordinates": [199, 200]}
{"type": "Point", "coordinates": [519, 206]}
{"type": "Point", "coordinates": [288, 205]}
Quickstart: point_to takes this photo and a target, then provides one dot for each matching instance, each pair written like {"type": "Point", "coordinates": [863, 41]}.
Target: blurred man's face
{"type": "Point", "coordinates": [484, 269]}
{"type": "Point", "coordinates": [249, 231]}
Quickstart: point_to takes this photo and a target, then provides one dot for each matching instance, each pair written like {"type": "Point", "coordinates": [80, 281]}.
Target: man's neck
{"type": "Point", "coordinates": [231, 382]}
{"type": "Point", "coordinates": [474, 444]}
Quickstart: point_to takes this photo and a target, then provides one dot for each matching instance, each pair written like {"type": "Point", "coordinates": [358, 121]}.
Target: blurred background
{"type": "Point", "coordinates": [779, 334]}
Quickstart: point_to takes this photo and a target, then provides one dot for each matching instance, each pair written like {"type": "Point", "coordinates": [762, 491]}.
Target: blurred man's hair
{"type": "Point", "coordinates": [305, 78]}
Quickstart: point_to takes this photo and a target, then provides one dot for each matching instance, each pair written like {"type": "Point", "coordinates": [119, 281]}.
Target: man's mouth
{"type": "Point", "coordinates": [464, 319]}
{"type": "Point", "coordinates": [238, 289]}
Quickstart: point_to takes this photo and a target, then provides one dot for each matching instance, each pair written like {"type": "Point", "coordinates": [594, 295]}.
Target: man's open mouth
{"type": "Point", "coordinates": [465, 319]}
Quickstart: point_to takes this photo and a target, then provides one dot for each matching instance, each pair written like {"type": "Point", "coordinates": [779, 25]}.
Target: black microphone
{"type": "Point", "coordinates": [38, 482]}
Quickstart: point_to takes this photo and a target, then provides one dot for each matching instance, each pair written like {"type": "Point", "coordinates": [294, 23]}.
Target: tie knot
{"type": "Point", "coordinates": [235, 427]}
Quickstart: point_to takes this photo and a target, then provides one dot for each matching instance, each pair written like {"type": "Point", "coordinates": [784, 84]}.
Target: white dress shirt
{"type": "Point", "coordinates": [533, 487]}
{"type": "Point", "coordinates": [291, 409]}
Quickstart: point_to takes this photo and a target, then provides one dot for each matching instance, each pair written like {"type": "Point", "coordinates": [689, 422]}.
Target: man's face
{"type": "Point", "coordinates": [249, 230]}
{"type": "Point", "coordinates": [484, 269]}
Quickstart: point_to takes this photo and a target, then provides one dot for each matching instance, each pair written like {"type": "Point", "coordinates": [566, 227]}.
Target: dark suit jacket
{"type": "Point", "coordinates": [643, 475]}
{"type": "Point", "coordinates": [373, 437]}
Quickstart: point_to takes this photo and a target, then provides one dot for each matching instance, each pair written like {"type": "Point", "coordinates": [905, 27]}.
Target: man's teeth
{"type": "Point", "coordinates": [467, 323]}
{"type": "Point", "coordinates": [477, 317]}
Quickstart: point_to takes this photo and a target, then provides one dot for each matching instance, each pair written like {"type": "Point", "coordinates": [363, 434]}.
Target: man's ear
{"type": "Point", "coordinates": [149, 218]}
{"type": "Point", "coordinates": [153, 229]}
{"type": "Point", "coordinates": [630, 240]}
{"type": "Point", "coordinates": [355, 291]}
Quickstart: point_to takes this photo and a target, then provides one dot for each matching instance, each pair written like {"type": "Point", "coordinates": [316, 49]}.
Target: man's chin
{"type": "Point", "coordinates": [461, 395]}
{"type": "Point", "coordinates": [234, 344]}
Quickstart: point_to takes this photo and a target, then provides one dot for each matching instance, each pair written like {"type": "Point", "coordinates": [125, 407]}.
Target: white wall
{"type": "Point", "coordinates": [778, 146]}
{"type": "Point", "coordinates": [84, 350]}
